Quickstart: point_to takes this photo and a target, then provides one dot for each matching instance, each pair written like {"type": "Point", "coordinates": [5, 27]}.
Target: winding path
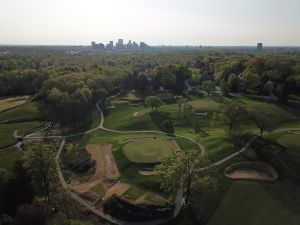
{"type": "Point", "coordinates": [179, 199]}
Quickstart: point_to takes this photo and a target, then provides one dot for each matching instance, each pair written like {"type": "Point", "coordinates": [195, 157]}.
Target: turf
{"type": "Point", "coordinates": [134, 192]}
{"type": "Point", "coordinates": [147, 151]}
{"type": "Point", "coordinates": [12, 102]}
{"type": "Point", "coordinates": [7, 131]}
{"type": "Point", "coordinates": [248, 203]}
{"type": "Point", "coordinates": [8, 157]}
{"type": "Point", "coordinates": [26, 112]}
{"type": "Point", "coordinates": [289, 140]}
{"type": "Point", "coordinates": [99, 189]}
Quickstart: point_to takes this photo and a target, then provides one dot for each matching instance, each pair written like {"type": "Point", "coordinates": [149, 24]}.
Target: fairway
{"type": "Point", "coordinates": [290, 139]}
{"type": "Point", "coordinates": [147, 150]}
{"type": "Point", "coordinates": [8, 157]}
{"type": "Point", "coordinates": [12, 102]}
{"type": "Point", "coordinates": [249, 203]}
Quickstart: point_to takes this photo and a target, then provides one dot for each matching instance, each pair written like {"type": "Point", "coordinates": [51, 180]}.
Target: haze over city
{"type": "Point", "coordinates": [168, 22]}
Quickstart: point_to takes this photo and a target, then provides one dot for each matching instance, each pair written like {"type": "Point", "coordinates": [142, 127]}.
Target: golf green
{"type": "Point", "coordinates": [147, 150]}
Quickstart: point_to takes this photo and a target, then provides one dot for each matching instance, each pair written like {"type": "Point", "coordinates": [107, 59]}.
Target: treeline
{"type": "Point", "coordinates": [71, 84]}
{"type": "Point", "coordinates": [271, 75]}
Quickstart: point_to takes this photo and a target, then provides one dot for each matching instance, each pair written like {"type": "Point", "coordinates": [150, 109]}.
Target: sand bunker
{"type": "Point", "coordinates": [137, 114]}
{"type": "Point", "coordinates": [251, 170]}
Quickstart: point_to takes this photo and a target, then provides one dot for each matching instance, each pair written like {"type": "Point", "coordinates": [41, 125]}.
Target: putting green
{"type": "Point", "coordinates": [147, 150]}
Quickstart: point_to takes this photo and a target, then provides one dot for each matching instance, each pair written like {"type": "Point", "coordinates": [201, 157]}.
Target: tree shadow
{"type": "Point", "coordinates": [163, 121]}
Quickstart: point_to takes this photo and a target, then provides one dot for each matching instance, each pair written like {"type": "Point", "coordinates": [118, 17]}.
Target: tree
{"type": "Point", "coordinates": [179, 99]}
{"type": "Point", "coordinates": [224, 87]}
{"type": "Point", "coordinates": [209, 86]}
{"type": "Point", "coordinates": [250, 81]}
{"type": "Point", "coordinates": [24, 186]}
{"type": "Point", "coordinates": [180, 172]}
{"type": "Point", "coordinates": [65, 203]}
{"type": "Point", "coordinates": [233, 115]}
{"type": "Point", "coordinates": [268, 88]}
{"type": "Point", "coordinates": [233, 82]}
{"type": "Point", "coordinates": [40, 162]}
{"type": "Point", "coordinates": [263, 120]}
{"type": "Point", "coordinates": [154, 102]}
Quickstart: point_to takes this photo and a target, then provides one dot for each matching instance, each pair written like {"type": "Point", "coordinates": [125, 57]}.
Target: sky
{"type": "Point", "coordinates": [157, 22]}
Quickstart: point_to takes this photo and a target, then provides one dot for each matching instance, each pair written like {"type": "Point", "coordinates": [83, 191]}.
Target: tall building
{"type": "Point", "coordinates": [135, 45]}
{"type": "Point", "coordinates": [259, 46]}
{"type": "Point", "coordinates": [120, 43]}
{"type": "Point", "coordinates": [143, 45]}
{"type": "Point", "coordinates": [110, 45]}
{"type": "Point", "coordinates": [129, 45]}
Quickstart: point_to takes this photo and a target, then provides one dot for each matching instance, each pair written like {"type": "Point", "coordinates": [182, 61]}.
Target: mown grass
{"type": "Point", "coordinates": [26, 112]}
{"type": "Point", "coordinates": [7, 131]}
{"type": "Point", "coordinates": [8, 157]}
{"type": "Point", "coordinates": [147, 151]}
{"type": "Point", "coordinates": [99, 190]}
{"type": "Point", "coordinates": [248, 203]}
{"type": "Point", "coordinates": [12, 102]}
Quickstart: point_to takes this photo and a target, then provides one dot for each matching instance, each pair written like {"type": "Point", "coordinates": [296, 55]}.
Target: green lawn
{"type": "Point", "coordinates": [8, 157]}
{"type": "Point", "coordinates": [7, 131]}
{"type": "Point", "coordinates": [99, 189]}
{"type": "Point", "coordinates": [134, 192]}
{"type": "Point", "coordinates": [25, 112]}
{"type": "Point", "coordinates": [249, 203]}
{"type": "Point", "coordinates": [147, 151]}
{"type": "Point", "coordinates": [12, 102]}
{"type": "Point", "coordinates": [287, 139]}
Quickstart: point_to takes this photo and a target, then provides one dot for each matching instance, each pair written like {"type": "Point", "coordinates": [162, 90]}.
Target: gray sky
{"type": "Point", "coordinates": [169, 22]}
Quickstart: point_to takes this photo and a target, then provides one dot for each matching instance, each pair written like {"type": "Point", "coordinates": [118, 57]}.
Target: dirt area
{"type": "Point", "coordinates": [117, 189]}
{"type": "Point", "coordinates": [174, 146]}
{"type": "Point", "coordinates": [137, 114]}
{"type": "Point", "coordinates": [106, 168]}
{"type": "Point", "coordinates": [249, 174]}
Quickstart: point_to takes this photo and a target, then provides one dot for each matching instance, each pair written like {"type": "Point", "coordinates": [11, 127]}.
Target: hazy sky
{"type": "Point", "coordinates": [174, 22]}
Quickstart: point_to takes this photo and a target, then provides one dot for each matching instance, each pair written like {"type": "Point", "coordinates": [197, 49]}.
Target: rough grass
{"type": "Point", "coordinates": [8, 157]}
{"type": "Point", "coordinates": [248, 203]}
{"type": "Point", "coordinates": [7, 131]}
{"type": "Point", "coordinates": [26, 112]}
{"type": "Point", "coordinates": [99, 190]}
{"type": "Point", "coordinates": [147, 151]}
{"type": "Point", "coordinates": [134, 192]}
{"type": "Point", "coordinates": [12, 102]}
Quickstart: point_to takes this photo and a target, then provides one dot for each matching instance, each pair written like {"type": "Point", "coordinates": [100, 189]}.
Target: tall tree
{"type": "Point", "coordinates": [40, 162]}
{"type": "Point", "coordinates": [208, 86]}
{"type": "Point", "coordinates": [179, 99]}
{"type": "Point", "coordinates": [180, 172]}
{"type": "Point", "coordinates": [153, 101]}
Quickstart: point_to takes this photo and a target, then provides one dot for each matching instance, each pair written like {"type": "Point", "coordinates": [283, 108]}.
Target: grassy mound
{"type": "Point", "coordinates": [147, 150]}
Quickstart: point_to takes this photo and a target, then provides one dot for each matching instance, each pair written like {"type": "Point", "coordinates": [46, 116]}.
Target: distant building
{"type": "Point", "coordinates": [96, 46]}
{"type": "Point", "coordinates": [110, 45]}
{"type": "Point", "coordinates": [120, 44]}
{"type": "Point", "coordinates": [135, 45]}
{"type": "Point", "coordinates": [129, 45]}
{"type": "Point", "coordinates": [143, 45]}
{"type": "Point", "coordinates": [259, 46]}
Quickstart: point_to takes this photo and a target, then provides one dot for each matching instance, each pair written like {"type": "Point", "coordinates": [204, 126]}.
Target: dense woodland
{"type": "Point", "coordinates": [72, 83]}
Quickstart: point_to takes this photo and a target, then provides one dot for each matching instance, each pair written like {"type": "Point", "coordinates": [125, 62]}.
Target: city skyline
{"type": "Point", "coordinates": [176, 23]}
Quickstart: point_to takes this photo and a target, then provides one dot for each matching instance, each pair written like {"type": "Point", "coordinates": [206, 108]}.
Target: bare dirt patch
{"type": "Point", "coordinates": [174, 146]}
{"type": "Point", "coordinates": [137, 114]}
{"type": "Point", "coordinates": [249, 174]}
{"type": "Point", "coordinates": [106, 168]}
